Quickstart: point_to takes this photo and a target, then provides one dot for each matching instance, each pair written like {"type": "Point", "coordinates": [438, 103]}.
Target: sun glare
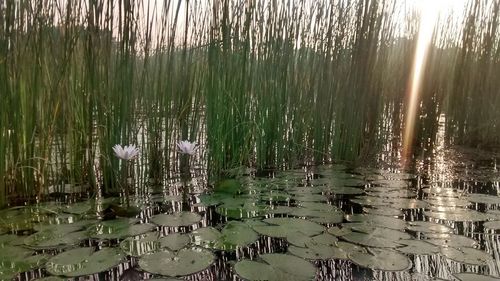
{"type": "Point", "coordinates": [429, 12]}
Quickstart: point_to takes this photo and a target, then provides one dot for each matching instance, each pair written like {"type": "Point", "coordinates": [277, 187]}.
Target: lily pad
{"type": "Point", "coordinates": [233, 235]}
{"type": "Point", "coordinates": [314, 251]}
{"type": "Point", "coordinates": [184, 262]}
{"type": "Point", "coordinates": [483, 198]}
{"type": "Point", "coordinates": [428, 227]}
{"type": "Point", "coordinates": [176, 219]}
{"type": "Point", "coordinates": [292, 265]}
{"type": "Point", "coordinates": [118, 229]}
{"type": "Point", "coordinates": [206, 237]}
{"type": "Point", "coordinates": [175, 241]}
{"type": "Point", "coordinates": [252, 270]}
{"type": "Point", "coordinates": [140, 245]}
{"type": "Point", "coordinates": [237, 234]}
{"type": "Point", "coordinates": [418, 247]}
{"type": "Point", "coordinates": [381, 259]}
{"type": "Point", "coordinates": [84, 261]}
{"type": "Point", "coordinates": [370, 240]}
{"type": "Point", "coordinates": [450, 240]}
{"type": "Point", "coordinates": [282, 227]}
{"type": "Point", "coordinates": [376, 220]}
{"type": "Point", "coordinates": [469, 276]}
{"type": "Point", "coordinates": [331, 216]}
{"type": "Point", "coordinates": [467, 255]}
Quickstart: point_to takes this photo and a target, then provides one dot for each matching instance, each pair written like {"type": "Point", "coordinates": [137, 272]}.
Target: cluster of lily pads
{"type": "Point", "coordinates": [307, 212]}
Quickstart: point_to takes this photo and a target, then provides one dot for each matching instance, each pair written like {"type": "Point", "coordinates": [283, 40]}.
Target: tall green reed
{"type": "Point", "coordinates": [258, 83]}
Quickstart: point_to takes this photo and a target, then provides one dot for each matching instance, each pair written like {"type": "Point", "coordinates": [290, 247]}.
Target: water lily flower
{"type": "Point", "coordinates": [187, 147]}
{"type": "Point", "coordinates": [127, 152]}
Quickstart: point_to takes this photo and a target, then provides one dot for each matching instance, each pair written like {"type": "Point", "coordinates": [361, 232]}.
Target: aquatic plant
{"type": "Point", "coordinates": [127, 153]}
{"type": "Point", "coordinates": [259, 83]}
{"type": "Point", "coordinates": [186, 147]}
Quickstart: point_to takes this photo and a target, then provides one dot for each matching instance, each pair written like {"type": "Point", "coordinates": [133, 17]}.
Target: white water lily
{"type": "Point", "coordinates": [127, 152]}
{"type": "Point", "coordinates": [187, 147]}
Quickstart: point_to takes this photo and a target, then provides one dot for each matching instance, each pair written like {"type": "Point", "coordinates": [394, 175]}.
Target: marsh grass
{"type": "Point", "coordinates": [258, 83]}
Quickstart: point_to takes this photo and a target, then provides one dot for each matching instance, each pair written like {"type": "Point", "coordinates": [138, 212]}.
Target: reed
{"type": "Point", "coordinates": [258, 83]}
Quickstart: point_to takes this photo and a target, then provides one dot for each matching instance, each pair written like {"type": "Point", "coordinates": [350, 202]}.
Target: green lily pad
{"type": "Point", "coordinates": [346, 190]}
{"type": "Point", "coordinates": [483, 198]}
{"type": "Point", "coordinates": [181, 263]}
{"type": "Point", "coordinates": [174, 241]}
{"type": "Point", "coordinates": [240, 212]}
{"type": "Point", "coordinates": [57, 235]}
{"type": "Point", "coordinates": [233, 235]}
{"type": "Point", "coordinates": [252, 270]}
{"type": "Point", "coordinates": [118, 229]}
{"type": "Point", "coordinates": [11, 240]}
{"type": "Point", "coordinates": [237, 234]}
{"type": "Point", "coordinates": [317, 252]}
{"type": "Point", "coordinates": [383, 211]}
{"type": "Point", "coordinates": [336, 231]}
{"type": "Point", "coordinates": [386, 233]}
{"type": "Point", "coordinates": [379, 221]}
{"type": "Point", "coordinates": [176, 219]}
{"type": "Point", "coordinates": [84, 261]}
{"type": "Point", "coordinates": [297, 225]}
{"type": "Point", "coordinates": [469, 276]}
{"type": "Point", "coordinates": [381, 259]}
{"type": "Point", "coordinates": [79, 208]}
{"type": "Point", "coordinates": [417, 247]}
{"type": "Point", "coordinates": [494, 225]}
{"type": "Point", "coordinates": [370, 240]}
{"type": "Point", "coordinates": [292, 265]}
{"type": "Point", "coordinates": [206, 237]}
{"type": "Point", "coordinates": [458, 215]}
{"type": "Point", "coordinates": [14, 253]}
{"type": "Point", "coordinates": [301, 240]}
{"type": "Point", "coordinates": [331, 216]}
{"type": "Point", "coordinates": [450, 240]}
{"type": "Point", "coordinates": [279, 210]}
{"type": "Point", "coordinates": [428, 227]}
{"type": "Point", "coordinates": [467, 255]}
{"type": "Point", "coordinates": [140, 245]}
{"type": "Point", "coordinates": [49, 239]}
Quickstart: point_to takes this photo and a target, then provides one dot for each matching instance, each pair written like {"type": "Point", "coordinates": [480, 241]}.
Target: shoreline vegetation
{"type": "Point", "coordinates": [255, 83]}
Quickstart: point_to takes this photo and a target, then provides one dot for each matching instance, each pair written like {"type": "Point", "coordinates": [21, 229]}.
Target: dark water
{"type": "Point", "coordinates": [454, 193]}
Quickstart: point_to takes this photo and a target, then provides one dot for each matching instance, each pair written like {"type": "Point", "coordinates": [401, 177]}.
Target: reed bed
{"type": "Point", "coordinates": [257, 83]}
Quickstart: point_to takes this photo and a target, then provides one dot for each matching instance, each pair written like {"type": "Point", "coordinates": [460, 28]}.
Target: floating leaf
{"type": "Point", "coordinates": [417, 247]}
{"type": "Point", "coordinates": [483, 198]}
{"type": "Point", "coordinates": [206, 237]}
{"type": "Point", "coordinates": [346, 190]}
{"type": "Point", "coordinates": [292, 265]}
{"type": "Point", "coordinates": [450, 240]}
{"type": "Point", "coordinates": [181, 263]}
{"type": "Point", "coordinates": [252, 270]}
{"type": "Point", "coordinates": [84, 261]}
{"type": "Point", "coordinates": [237, 234]}
{"type": "Point", "coordinates": [370, 240]}
{"type": "Point", "coordinates": [331, 216]}
{"type": "Point", "coordinates": [467, 255]}
{"type": "Point", "coordinates": [381, 259]}
{"type": "Point", "coordinates": [492, 225]}
{"type": "Point", "coordinates": [383, 211]}
{"type": "Point", "coordinates": [314, 251]}
{"type": "Point", "coordinates": [428, 227]}
{"type": "Point", "coordinates": [376, 220]}
{"type": "Point", "coordinates": [282, 227]}
{"type": "Point", "coordinates": [175, 241]}
{"type": "Point", "coordinates": [176, 219]}
{"type": "Point", "coordinates": [140, 245]}
{"type": "Point", "coordinates": [118, 229]}
{"type": "Point", "coordinates": [469, 276]}
{"type": "Point", "coordinates": [240, 212]}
